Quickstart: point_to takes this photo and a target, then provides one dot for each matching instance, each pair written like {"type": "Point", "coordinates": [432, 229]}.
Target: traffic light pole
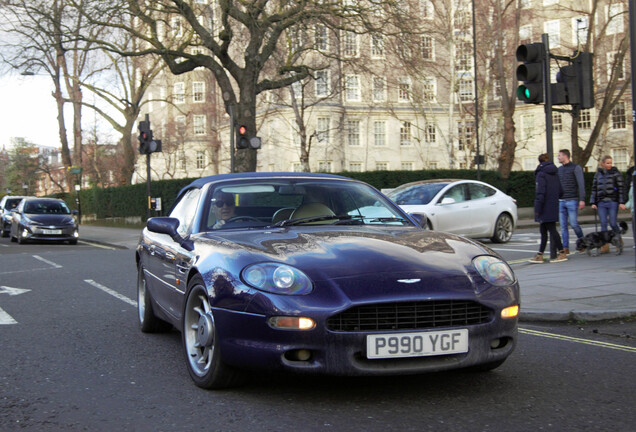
{"type": "Point", "coordinates": [148, 185]}
{"type": "Point", "coordinates": [547, 96]}
{"type": "Point", "coordinates": [231, 139]}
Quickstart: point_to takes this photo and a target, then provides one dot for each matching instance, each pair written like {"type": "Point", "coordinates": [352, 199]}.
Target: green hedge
{"type": "Point", "coordinates": [130, 201]}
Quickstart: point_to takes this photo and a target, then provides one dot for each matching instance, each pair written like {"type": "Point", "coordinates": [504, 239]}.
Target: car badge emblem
{"type": "Point", "coordinates": [409, 281]}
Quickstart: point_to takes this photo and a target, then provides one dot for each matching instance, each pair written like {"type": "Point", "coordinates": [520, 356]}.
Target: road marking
{"type": "Point", "coordinates": [578, 340]}
{"type": "Point", "coordinates": [111, 292]}
{"type": "Point", "coordinates": [5, 318]}
{"type": "Point", "coordinates": [512, 250]}
{"type": "Point", "coordinates": [96, 245]}
{"type": "Point", "coordinates": [51, 263]}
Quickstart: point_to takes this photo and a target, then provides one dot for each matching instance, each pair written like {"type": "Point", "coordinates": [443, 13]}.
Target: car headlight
{"type": "Point", "coordinates": [277, 278]}
{"type": "Point", "coordinates": [494, 270]}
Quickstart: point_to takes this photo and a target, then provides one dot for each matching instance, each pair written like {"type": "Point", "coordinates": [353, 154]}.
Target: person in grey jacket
{"type": "Point", "coordinates": [573, 198]}
{"type": "Point", "coordinates": [607, 193]}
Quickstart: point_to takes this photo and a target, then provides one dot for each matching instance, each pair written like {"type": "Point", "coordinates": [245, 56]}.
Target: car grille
{"type": "Point", "coordinates": [410, 316]}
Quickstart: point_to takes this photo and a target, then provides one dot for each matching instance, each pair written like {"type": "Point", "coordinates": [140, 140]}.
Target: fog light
{"type": "Point", "coordinates": [510, 312]}
{"type": "Point", "coordinates": [25, 233]}
{"type": "Point", "coordinates": [298, 355]}
{"type": "Point", "coordinates": [292, 323]}
{"type": "Point", "coordinates": [75, 234]}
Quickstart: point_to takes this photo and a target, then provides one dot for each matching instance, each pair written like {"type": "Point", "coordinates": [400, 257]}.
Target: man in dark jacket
{"type": "Point", "coordinates": [546, 209]}
{"type": "Point", "coordinates": [573, 198]}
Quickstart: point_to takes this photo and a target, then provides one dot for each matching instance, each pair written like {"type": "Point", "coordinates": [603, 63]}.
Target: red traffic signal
{"type": "Point", "coordinates": [242, 142]}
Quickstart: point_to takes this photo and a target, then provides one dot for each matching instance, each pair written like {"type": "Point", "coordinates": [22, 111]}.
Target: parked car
{"type": "Point", "coordinates": [466, 207]}
{"type": "Point", "coordinates": [316, 273]}
{"type": "Point", "coordinates": [7, 203]}
{"type": "Point", "coordinates": [46, 219]}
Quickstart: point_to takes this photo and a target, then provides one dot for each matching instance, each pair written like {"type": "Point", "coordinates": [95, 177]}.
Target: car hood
{"type": "Point", "coordinates": [327, 253]}
{"type": "Point", "coordinates": [50, 219]}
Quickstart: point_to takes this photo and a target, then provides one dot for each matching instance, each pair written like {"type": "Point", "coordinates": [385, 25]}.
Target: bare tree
{"type": "Point", "coordinates": [240, 39]}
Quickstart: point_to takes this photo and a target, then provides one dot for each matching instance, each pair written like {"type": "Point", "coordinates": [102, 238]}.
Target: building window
{"type": "Point", "coordinates": [557, 122]}
{"type": "Point", "coordinates": [199, 124]}
{"type": "Point", "coordinates": [553, 29]}
{"type": "Point", "coordinates": [175, 27]}
{"type": "Point", "coordinates": [619, 121]}
{"type": "Point", "coordinates": [178, 93]}
{"type": "Point", "coordinates": [324, 166]}
{"type": "Point", "coordinates": [297, 167]}
{"type": "Point", "coordinates": [429, 90]}
{"type": "Point", "coordinates": [322, 130]}
{"type": "Point", "coordinates": [464, 56]}
{"type": "Point", "coordinates": [620, 159]}
{"type": "Point", "coordinates": [527, 124]}
{"type": "Point", "coordinates": [585, 119]}
{"type": "Point", "coordinates": [464, 134]}
{"type": "Point", "coordinates": [427, 48]}
{"type": "Point", "coordinates": [615, 17]}
{"type": "Point", "coordinates": [352, 88]}
{"type": "Point", "coordinates": [525, 34]}
{"type": "Point", "coordinates": [427, 10]}
{"type": "Point", "coordinates": [377, 46]}
{"type": "Point", "coordinates": [198, 91]}
{"type": "Point", "coordinates": [611, 65]}
{"type": "Point", "coordinates": [200, 159]}
{"type": "Point", "coordinates": [379, 89]}
{"type": "Point", "coordinates": [404, 89]}
{"type": "Point", "coordinates": [322, 83]}
{"type": "Point", "coordinates": [407, 166]}
{"type": "Point", "coordinates": [381, 166]}
{"type": "Point", "coordinates": [405, 133]}
{"type": "Point", "coordinates": [379, 133]}
{"type": "Point", "coordinates": [529, 163]}
{"type": "Point", "coordinates": [180, 123]}
{"type": "Point", "coordinates": [321, 41]}
{"type": "Point", "coordinates": [351, 45]}
{"type": "Point", "coordinates": [430, 133]}
{"type": "Point", "coordinates": [353, 132]}
{"type": "Point", "coordinates": [355, 166]}
{"type": "Point", "coordinates": [466, 90]}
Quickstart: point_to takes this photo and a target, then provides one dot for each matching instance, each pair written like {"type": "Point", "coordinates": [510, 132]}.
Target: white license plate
{"type": "Point", "coordinates": [417, 344]}
{"type": "Point", "coordinates": [51, 232]}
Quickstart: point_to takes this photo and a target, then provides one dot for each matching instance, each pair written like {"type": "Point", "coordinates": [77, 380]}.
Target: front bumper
{"type": "Point", "coordinates": [49, 233]}
{"type": "Point", "coordinates": [247, 341]}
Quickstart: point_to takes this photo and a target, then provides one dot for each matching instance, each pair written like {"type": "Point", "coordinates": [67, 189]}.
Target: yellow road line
{"type": "Point", "coordinates": [577, 340]}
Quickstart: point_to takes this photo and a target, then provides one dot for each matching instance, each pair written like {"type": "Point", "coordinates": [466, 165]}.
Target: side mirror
{"type": "Point", "coordinates": [448, 200]}
{"type": "Point", "coordinates": [74, 212]}
{"type": "Point", "coordinates": [420, 218]}
{"type": "Point", "coordinates": [168, 225]}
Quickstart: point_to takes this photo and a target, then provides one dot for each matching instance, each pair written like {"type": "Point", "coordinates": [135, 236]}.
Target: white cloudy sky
{"type": "Point", "coordinates": [28, 110]}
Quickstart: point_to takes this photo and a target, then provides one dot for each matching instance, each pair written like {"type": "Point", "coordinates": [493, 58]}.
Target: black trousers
{"type": "Point", "coordinates": [555, 238]}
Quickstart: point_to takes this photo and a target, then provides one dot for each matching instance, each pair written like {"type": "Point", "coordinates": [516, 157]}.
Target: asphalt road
{"type": "Point", "coordinates": [72, 358]}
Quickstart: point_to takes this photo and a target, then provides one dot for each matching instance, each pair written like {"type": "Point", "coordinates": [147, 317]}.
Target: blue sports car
{"type": "Point", "coordinates": [317, 273]}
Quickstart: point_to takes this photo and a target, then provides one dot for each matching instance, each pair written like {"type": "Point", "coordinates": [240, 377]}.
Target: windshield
{"type": "Point", "coordinates": [417, 194]}
{"type": "Point", "coordinates": [288, 202]}
{"type": "Point", "coordinates": [46, 207]}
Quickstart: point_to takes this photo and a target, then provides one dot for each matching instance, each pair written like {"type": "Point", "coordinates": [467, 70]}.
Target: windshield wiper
{"type": "Point", "coordinates": [299, 221]}
{"type": "Point", "coordinates": [386, 219]}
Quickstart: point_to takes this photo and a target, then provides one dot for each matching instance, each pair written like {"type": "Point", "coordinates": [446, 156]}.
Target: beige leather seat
{"type": "Point", "coordinates": [282, 214]}
{"type": "Point", "coordinates": [313, 210]}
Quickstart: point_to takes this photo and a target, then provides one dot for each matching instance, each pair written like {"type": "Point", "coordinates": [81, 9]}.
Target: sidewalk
{"type": "Point", "coordinates": [582, 288]}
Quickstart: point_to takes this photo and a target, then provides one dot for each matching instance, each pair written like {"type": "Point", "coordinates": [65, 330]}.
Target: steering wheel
{"type": "Point", "coordinates": [238, 218]}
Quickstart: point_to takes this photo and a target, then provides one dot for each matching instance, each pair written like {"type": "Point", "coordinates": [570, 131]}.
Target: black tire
{"type": "Point", "coordinates": [72, 242]}
{"type": "Point", "coordinates": [199, 337]}
{"type": "Point", "coordinates": [5, 231]}
{"type": "Point", "coordinates": [148, 322]}
{"type": "Point", "coordinates": [503, 229]}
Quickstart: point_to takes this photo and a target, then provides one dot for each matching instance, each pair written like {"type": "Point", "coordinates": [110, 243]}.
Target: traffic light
{"type": "Point", "coordinates": [147, 144]}
{"type": "Point", "coordinates": [583, 63]}
{"type": "Point", "coordinates": [145, 136]}
{"type": "Point", "coordinates": [242, 141]}
{"type": "Point", "coordinates": [574, 83]}
{"type": "Point", "coordinates": [531, 72]}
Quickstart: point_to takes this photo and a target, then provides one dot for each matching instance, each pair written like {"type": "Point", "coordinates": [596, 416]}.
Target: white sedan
{"type": "Point", "coordinates": [466, 207]}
